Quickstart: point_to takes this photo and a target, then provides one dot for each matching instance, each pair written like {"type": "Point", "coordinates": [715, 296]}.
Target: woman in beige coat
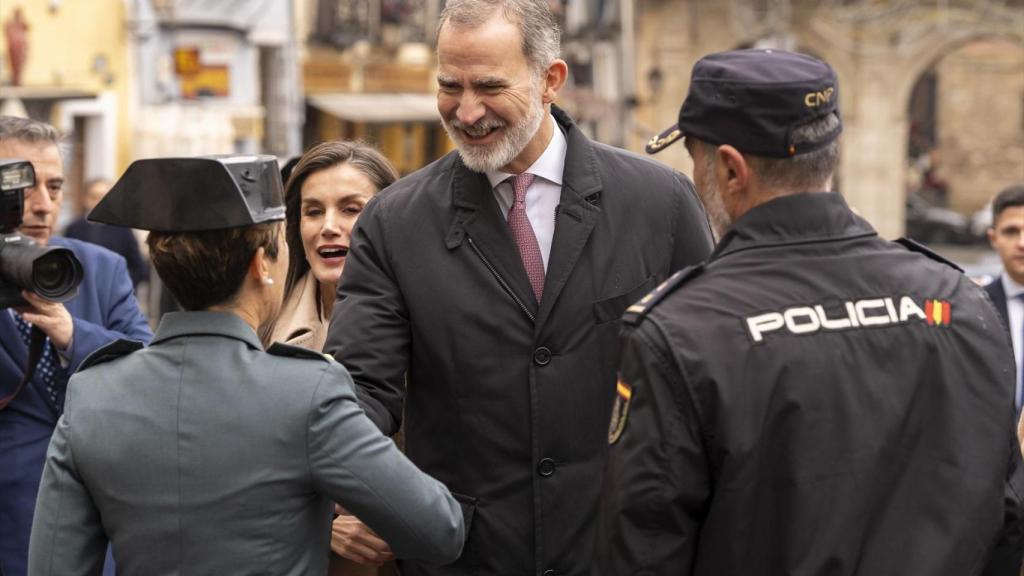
{"type": "Point", "coordinates": [324, 196]}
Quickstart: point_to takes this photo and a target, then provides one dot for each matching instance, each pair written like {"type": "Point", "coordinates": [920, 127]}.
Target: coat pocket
{"type": "Point", "coordinates": [468, 505]}
{"type": "Point", "coordinates": [612, 308]}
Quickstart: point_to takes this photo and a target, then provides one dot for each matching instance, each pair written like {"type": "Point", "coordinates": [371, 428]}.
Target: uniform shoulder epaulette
{"type": "Point", "coordinates": [114, 350]}
{"type": "Point", "coordinates": [922, 249]}
{"type": "Point", "coordinates": [635, 313]}
{"type": "Point", "coordinates": [279, 349]}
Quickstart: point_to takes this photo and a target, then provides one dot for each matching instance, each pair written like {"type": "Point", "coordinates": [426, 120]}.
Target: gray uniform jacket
{"type": "Point", "coordinates": [203, 454]}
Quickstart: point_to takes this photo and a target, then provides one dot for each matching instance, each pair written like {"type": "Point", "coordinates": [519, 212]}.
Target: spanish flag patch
{"type": "Point", "coordinates": [938, 312]}
{"type": "Point", "coordinates": [620, 410]}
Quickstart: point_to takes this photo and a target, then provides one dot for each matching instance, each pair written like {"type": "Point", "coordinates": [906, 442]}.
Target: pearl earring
{"type": "Point", "coordinates": [268, 281]}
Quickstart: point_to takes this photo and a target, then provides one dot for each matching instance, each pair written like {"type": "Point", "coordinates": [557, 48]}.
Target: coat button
{"type": "Point", "coordinates": [541, 356]}
{"type": "Point", "coordinates": [546, 467]}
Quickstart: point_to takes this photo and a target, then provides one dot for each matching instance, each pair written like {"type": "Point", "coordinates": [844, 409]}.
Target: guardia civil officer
{"type": "Point", "coordinates": [205, 454]}
{"type": "Point", "coordinates": [813, 399]}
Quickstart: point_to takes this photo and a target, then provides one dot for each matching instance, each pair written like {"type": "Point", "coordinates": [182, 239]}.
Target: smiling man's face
{"type": "Point", "coordinates": [42, 202]}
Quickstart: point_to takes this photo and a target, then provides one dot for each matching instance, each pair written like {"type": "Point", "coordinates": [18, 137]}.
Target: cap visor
{"type": "Point", "coordinates": [663, 140]}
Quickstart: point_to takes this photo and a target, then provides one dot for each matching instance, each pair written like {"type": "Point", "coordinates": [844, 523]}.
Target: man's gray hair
{"type": "Point", "coordinates": [808, 172]}
{"type": "Point", "coordinates": [28, 130]}
{"type": "Point", "coordinates": [542, 38]}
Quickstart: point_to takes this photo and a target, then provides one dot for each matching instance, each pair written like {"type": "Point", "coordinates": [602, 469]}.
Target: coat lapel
{"type": "Point", "coordinates": [14, 347]}
{"type": "Point", "coordinates": [578, 212]}
{"type": "Point", "coordinates": [478, 213]}
{"type": "Point", "coordinates": [998, 296]}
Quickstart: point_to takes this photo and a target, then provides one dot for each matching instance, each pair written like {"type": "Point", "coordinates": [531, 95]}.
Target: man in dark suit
{"type": "Point", "coordinates": [104, 310]}
{"type": "Point", "coordinates": [1007, 238]}
{"type": "Point", "coordinates": [114, 238]}
{"type": "Point", "coordinates": [484, 293]}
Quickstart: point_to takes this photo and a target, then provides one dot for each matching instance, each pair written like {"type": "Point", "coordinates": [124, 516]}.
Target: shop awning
{"type": "Point", "coordinates": [378, 108]}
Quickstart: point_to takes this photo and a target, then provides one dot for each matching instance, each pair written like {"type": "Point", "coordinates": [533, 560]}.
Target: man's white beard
{"type": "Point", "coordinates": [714, 206]}
{"type": "Point", "coordinates": [490, 157]}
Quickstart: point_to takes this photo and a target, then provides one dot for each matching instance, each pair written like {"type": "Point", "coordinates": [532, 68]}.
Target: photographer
{"type": "Point", "coordinates": [104, 310]}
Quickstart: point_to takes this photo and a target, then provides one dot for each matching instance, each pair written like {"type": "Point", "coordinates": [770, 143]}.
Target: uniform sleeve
{"type": "Point", "coordinates": [693, 241]}
{"type": "Point", "coordinates": [369, 302]}
{"type": "Point", "coordinates": [355, 465]}
{"type": "Point", "coordinates": [67, 536]}
{"type": "Point", "coordinates": [122, 318]}
{"type": "Point", "coordinates": [1008, 553]}
{"type": "Point", "coordinates": [656, 484]}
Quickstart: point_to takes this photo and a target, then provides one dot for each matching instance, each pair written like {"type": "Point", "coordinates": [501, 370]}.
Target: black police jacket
{"type": "Point", "coordinates": [814, 400]}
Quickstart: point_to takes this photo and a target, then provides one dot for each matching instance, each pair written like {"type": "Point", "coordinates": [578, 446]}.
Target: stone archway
{"type": "Point", "coordinates": [969, 140]}
{"type": "Point", "coordinates": [878, 49]}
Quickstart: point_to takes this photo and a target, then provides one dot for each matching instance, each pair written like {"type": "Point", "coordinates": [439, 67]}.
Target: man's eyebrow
{"type": "Point", "coordinates": [489, 82]}
{"type": "Point", "coordinates": [447, 81]}
{"type": "Point", "coordinates": [59, 181]}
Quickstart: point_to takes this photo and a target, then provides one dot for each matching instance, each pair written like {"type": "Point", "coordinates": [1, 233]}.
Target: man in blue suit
{"type": "Point", "coordinates": [104, 310]}
{"type": "Point", "coordinates": [1007, 291]}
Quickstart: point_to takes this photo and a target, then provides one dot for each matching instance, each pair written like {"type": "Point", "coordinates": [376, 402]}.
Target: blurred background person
{"type": "Point", "coordinates": [326, 191]}
{"type": "Point", "coordinates": [203, 453]}
{"type": "Point", "coordinates": [114, 238]}
{"type": "Point", "coordinates": [104, 310]}
{"type": "Point", "coordinates": [1006, 235]}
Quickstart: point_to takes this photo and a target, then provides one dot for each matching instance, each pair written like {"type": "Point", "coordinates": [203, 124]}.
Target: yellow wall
{"type": "Point", "coordinates": [63, 45]}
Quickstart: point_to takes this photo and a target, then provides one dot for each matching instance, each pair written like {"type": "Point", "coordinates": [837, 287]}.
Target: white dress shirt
{"type": "Point", "coordinates": [543, 196]}
{"type": "Point", "coordinates": [1015, 313]}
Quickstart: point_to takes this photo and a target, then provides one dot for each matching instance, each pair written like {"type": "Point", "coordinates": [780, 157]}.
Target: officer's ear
{"type": "Point", "coordinates": [259, 266]}
{"type": "Point", "coordinates": [733, 173]}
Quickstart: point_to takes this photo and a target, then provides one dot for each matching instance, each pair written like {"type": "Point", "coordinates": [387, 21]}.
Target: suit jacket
{"type": "Point", "coordinates": [203, 454]}
{"type": "Point", "coordinates": [104, 310]}
{"type": "Point", "coordinates": [508, 401]}
{"type": "Point", "coordinates": [998, 295]}
{"type": "Point", "coordinates": [299, 323]}
{"type": "Point", "coordinates": [116, 239]}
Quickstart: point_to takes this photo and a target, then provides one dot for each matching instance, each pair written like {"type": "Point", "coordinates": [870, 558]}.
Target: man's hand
{"type": "Point", "coordinates": [50, 317]}
{"type": "Point", "coordinates": [352, 539]}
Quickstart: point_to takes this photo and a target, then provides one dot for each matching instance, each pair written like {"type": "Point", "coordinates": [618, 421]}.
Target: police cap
{"type": "Point", "coordinates": [753, 100]}
{"type": "Point", "coordinates": [194, 194]}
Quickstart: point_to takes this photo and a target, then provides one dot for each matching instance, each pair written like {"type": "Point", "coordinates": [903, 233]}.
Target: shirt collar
{"type": "Point", "coordinates": [549, 166]}
{"type": "Point", "coordinates": [793, 218]}
{"type": "Point", "coordinates": [1011, 287]}
{"type": "Point", "coordinates": [205, 323]}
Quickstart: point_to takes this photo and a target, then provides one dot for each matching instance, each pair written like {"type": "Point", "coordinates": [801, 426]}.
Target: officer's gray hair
{"type": "Point", "coordinates": [542, 38]}
{"type": "Point", "coordinates": [810, 172]}
{"type": "Point", "coordinates": [28, 130]}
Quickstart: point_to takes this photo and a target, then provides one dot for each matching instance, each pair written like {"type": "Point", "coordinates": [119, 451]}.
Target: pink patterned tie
{"type": "Point", "coordinates": [522, 231]}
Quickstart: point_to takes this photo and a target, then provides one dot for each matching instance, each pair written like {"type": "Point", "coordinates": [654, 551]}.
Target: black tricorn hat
{"type": "Point", "coordinates": [195, 194]}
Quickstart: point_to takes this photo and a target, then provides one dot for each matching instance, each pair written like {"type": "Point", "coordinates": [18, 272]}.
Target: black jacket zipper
{"type": "Point", "coordinates": [501, 281]}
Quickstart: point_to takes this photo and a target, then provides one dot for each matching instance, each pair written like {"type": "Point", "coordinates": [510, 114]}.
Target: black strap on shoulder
{"type": "Point", "coordinates": [116, 349]}
{"type": "Point", "coordinates": [279, 349]}
{"type": "Point", "coordinates": [922, 249]}
{"type": "Point", "coordinates": [635, 313]}
{"type": "Point", "coordinates": [37, 341]}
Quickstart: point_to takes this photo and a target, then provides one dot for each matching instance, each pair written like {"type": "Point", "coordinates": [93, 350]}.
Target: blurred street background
{"type": "Point", "coordinates": [932, 92]}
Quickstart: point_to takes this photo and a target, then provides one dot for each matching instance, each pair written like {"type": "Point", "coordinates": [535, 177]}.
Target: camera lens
{"type": "Point", "coordinates": [52, 272]}
{"type": "Point", "coordinates": [56, 274]}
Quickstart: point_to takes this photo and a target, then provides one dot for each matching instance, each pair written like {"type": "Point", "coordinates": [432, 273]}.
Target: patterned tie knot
{"type": "Point", "coordinates": [520, 182]}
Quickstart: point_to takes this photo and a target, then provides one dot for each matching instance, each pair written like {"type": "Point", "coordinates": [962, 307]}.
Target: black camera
{"type": "Point", "coordinates": [51, 272]}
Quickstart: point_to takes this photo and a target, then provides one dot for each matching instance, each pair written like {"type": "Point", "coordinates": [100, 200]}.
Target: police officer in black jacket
{"type": "Point", "coordinates": [813, 399]}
